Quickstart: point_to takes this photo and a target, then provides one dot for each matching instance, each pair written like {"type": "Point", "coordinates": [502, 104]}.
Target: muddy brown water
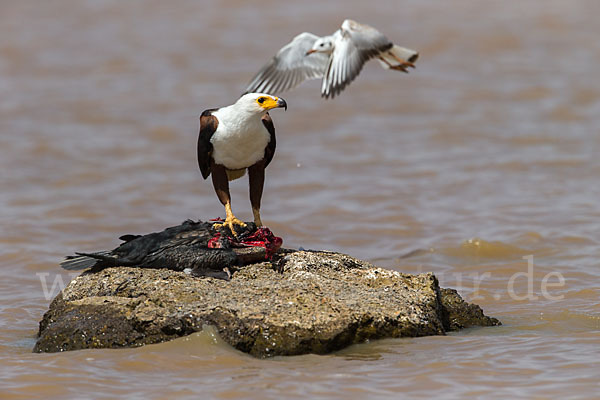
{"type": "Point", "coordinates": [482, 164]}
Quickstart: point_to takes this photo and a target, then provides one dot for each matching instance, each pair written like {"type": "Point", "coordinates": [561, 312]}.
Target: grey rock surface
{"type": "Point", "coordinates": [320, 303]}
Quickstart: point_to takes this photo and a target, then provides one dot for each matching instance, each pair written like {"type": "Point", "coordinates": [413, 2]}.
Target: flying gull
{"type": "Point", "coordinates": [337, 59]}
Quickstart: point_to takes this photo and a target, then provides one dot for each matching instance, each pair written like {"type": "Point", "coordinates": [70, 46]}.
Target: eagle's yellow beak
{"type": "Point", "coordinates": [275, 102]}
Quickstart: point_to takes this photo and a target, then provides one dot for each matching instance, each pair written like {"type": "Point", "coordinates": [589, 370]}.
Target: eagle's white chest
{"type": "Point", "coordinates": [239, 141]}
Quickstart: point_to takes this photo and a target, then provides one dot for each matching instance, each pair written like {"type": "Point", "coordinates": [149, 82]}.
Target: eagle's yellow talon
{"type": "Point", "coordinates": [257, 220]}
{"type": "Point", "coordinates": [230, 222]}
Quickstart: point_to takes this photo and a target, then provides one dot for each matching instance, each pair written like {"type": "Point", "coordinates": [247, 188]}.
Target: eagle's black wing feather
{"type": "Point", "coordinates": [270, 149]}
{"type": "Point", "coordinates": [208, 126]}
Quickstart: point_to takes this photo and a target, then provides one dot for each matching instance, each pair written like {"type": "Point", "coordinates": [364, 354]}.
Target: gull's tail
{"type": "Point", "coordinates": [398, 58]}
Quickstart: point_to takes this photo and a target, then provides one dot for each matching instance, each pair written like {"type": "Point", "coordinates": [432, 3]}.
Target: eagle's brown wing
{"type": "Point", "coordinates": [208, 126]}
{"type": "Point", "coordinates": [270, 149]}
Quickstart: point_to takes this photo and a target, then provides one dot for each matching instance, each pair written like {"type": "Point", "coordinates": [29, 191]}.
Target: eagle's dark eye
{"type": "Point", "coordinates": [261, 100]}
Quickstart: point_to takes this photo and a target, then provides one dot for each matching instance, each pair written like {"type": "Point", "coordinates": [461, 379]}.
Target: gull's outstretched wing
{"type": "Point", "coordinates": [354, 46]}
{"type": "Point", "coordinates": [290, 67]}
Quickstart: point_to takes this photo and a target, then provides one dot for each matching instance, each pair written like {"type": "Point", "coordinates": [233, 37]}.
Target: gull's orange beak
{"type": "Point", "coordinates": [310, 52]}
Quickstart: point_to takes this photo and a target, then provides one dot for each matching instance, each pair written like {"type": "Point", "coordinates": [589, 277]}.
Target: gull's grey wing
{"type": "Point", "coordinates": [355, 45]}
{"type": "Point", "coordinates": [365, 37]}
{"type": "Point", "coordinates": [290, 67]}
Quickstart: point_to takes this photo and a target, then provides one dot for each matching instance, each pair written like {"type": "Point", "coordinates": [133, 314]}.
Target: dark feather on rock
{"type": "Point", "coordinates": [178, 248]}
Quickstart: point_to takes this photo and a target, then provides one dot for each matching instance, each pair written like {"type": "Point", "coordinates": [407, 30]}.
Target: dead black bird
{"type": "Point", "coordinates": [181, 247]}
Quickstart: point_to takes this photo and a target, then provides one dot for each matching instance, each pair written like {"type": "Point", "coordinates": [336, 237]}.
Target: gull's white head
{"type": "Point", "coordinates": [322, 45]}
{"type": "Point", "coordinates": [260, 103]}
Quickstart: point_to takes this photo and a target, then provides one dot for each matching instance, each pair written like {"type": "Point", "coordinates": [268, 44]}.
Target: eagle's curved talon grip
{"type": "Point", "coordinates": [230, 223]}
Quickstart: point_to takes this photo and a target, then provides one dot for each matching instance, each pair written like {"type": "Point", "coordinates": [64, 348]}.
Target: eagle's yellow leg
{"type": "Point", "coordinates": [257, 220]}
{"type": "Point", "coordinates": [230, 219]}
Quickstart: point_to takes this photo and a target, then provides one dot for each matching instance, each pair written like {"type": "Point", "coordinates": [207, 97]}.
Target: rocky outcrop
{"type": "Point", "coordinates": [302, 302]}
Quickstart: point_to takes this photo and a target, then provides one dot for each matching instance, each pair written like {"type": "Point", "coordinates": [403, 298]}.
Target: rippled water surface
{"type": "Point", "coordinates": [481, 165]}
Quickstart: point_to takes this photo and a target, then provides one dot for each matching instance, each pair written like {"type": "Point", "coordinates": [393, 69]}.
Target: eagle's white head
{"type": "Point", "coordinates": [259, 103]}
